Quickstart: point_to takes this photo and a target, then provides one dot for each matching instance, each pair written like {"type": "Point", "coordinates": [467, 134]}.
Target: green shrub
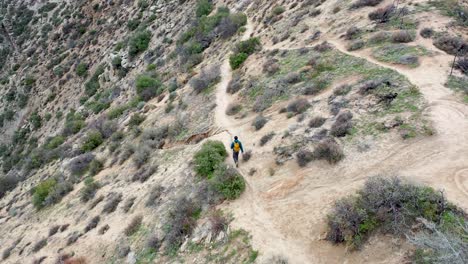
{"type": "Point", "coordinates": [41, 191]}
{"type": "Point", "coordinates": [278, 10]}
{"type": "Point", "coordinates": [139, 42]}
{"type": "Point", "coordinates": [148, 87]}
{"type": "Point", "coordinates": [92, 140]}
{"type": "Point", "coordinates": [82, 69]}
{"type": "Point", "coordinates": [204, 8]}
{"type": "Point", "coordinates": [35, 120]}
{"type": "Point", "coordinates": [95, 167]}
{"type": "Point", "coordinates": [209, 157]}
{"type": "Point", "coordinates": [117, 111]}
{"type": "Point", "coordinates": [55, 142]}
{"type": "Point", "coordinates": [236, 60]}
{"type": "Point", "coordinates": [92, 86]}
{"type": "Point", "coordinates": [136, 120]}
{"type": "Point", "coordinates": [74, 122]}
{"type": "Point", "coordinates": [227, 182]}
{"type": "Point", "coordinates": [133, 24]}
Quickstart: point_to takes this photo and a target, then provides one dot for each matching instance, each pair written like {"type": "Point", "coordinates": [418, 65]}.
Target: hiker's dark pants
{"type": "Point", "coordinates": [235, 155]}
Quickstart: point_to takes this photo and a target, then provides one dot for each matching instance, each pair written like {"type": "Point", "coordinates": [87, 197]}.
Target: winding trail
{"type": "Point", "coordinates": [286, 214]}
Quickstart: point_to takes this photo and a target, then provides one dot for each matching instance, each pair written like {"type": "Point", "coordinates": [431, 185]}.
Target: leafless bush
{"type": "Point", "coordinates": [303, 157]}
{"type": "Point", "coordinates": [292, 78]}
{"type": "Point", "coordinates": [144, 173]}
{"type": "Point", "coordinates": [53, 230]}
{"type": "Point", "coordinates": [342, 124]}
{"type": "Point", "coordinates": [180, 222]}
{"type": "Point", "coordinates": [322, 47]}
{"type": "Point", "coordinates": [277, 260]}
{"type": "Point", "coordinates": [235, 84]}
{"type": "Point", "coordinates": [462, 65]}
{"type": "Point", "coordinates": [219, 222]}
{"type": "Point", "coordinates": [106, 127]}
{"type": "Point", "coordinates": [382, 14]}
{"type": "Point", "coordinates": [259, 122]}
{"type": "Point", "coordinates": [103, 229]}
{"type": "Point", "coordinates": [39, 260]}
{"type": "Point", "coordinates": [154, 196]}
{"type": "Point", "coordinates": [80, 164]}
{"type": "Point", "coordinates": [266, 138]}
{"type": "Point", "coordinates": [298, 106]}
{"type": "Point", "coordinates": [363, 3]}
{"type": "Point", "coordinates": [426, 32]}
{"type": "Point", "coordinates": [39, 245]}
{"type": "Point", "coordinates": [402, 36]}
{"type": "Point", "coordinates": [205, 79]}
{"type": "Point", "coordinates": [246, 155]}
{"type": "Point", "coordinates": [379, 37]}
{"type": "Point", "coordinates": [329, 150]}
{"type": "Point", "coordinates": [92, 224]}
{"type": "Point", "coordinates": [233, 109]}
{"type": "Point", "coordinates": [128, 204]}
{"type": "Point", "coordinates": [154, 138]}
{"type": "Point", "coordinates": [450, 44]}
{"type": "Point", "coordinates": [141, 156]}
{"type": "Point", "coordinates": [342, 90]}
{"type": "Point", "coordinates": [134, 225]}
{"type": "Point", "coordinates": [153, 242]}
{"type": "Point", "coordinates": [368, 86]}
{"type": "Point", "coordinates": [317, 121]}
{"type": "Point", "coordinates": [96, 202]}
{"type": "Point", "coordinates": [7, 252]}
{"type": "Point", "coordinates": [112, 202]}
{"type": "Point", "coordinates": [352, 33]}
{"type": "Point", "coordinates": [271, 66]}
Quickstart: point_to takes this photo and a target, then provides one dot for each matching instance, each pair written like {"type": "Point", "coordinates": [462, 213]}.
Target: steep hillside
{"type": "Point", "coordinates": [117, 118]}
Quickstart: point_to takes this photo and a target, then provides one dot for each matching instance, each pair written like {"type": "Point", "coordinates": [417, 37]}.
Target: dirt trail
{"type": "Point", "coordinates": [286, 214]}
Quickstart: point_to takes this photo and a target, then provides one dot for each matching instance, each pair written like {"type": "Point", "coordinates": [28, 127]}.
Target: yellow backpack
{"type": "Point", "coordinates": [236, 146]}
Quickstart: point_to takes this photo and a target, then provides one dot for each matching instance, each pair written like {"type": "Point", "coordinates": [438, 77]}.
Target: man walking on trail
{"type": "Point", "coordinates": [236, 147]}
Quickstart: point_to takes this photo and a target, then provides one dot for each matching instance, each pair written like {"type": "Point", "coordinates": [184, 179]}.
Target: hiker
{"type": "Point", "coordinates": [236, 146]}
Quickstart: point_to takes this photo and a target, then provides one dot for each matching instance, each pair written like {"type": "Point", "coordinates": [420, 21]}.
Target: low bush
{"type": "Point", "coordinates": [317, 121]}
{"type": "Point", "coordinates": [128, 204]}
{"type": "Point", "coordinates": [139, 42]}
{"type": "Point", "coordinates": [62, 188]}
{"type": "Point", "coordinates": [134, 225]}
{"type": "Point", "coordinates": [382, 14]}
{"type": "Point", "coordinates": [180, 223]}
{"type": "Point", "coordinates": [389, 205]}
{"type": "Point", "coordinates": [206, 79]}
{"type": "Point", "coordinates": [80, 164]}
{"type": "Point", "coordinates": [259, 122]}
{"type": "Point", "coordinates": [426, 32]}
{"type": "Point", "coordinates": [39, 245]}
{"type": "Point", "coordinates": [92, 224]}
{"type": "Point", "coordinates": [112, 202]}
{"type": "Point", "coordinates": [298, 106]}
{"type": "Point", "coordinates": [450, 44]}
{"type": "Point", "coordinates": [266, 138]}
{"type": "Point", "coordinates": [154, 137]}
{"type": "Point", "coordinates": [462, 65]}
{"type": "Point", "coordinates": [92, 140]}
{"type": "Point", "coordinates": [352, 33]}
{"type": "Point", "coordinates": [329, 150]}
{"type": "Point", "coordinates": [209, 157]}
{"type": "Point", "coordinates": [303, 157]}
{"type": "Point", "coordinates": [141, 156]}
{"type": "Point", "coordinates": [73, 237]}
{"type": "Point", "coordinates": [55, 142]}
{"type": "Point", "coordinates": [41, 191]}
{"type": "Point", "coordinates": [95, 167]}
{"type": "Point", "coordinates": [82, 69]}
{"type": "Point", "coordinates": [136, 119]}
{"type": "Point", "coordinates": [402, 36]}
{"type": "Point", "coordinates": [237, 59]}
{"type": "Point", "coordinates": [246, 155]}
{"type": "Point", "coordinates": [233, 108]}
{"type": "Point", "coordinates": [342, 124]}
{"type": "Point", "coordinates": [154, 196]}
{"type": "Point", "coordinates": [242, 51]}
{"type": "Point", "coordinates": [148, 87]}
{"type": "Point", "coordinates": [363, 3]}
{"type": "Point", "coordinates": [203, 8]}
{"type": "Point", "coordinates": [53, 230]}
{"type": "Point", "coordinates": [89, 190]}
{"type": "Point", "coordinates": [227, 182]}
{"type": "Point", "coordinates": [74, 122]}
{"type": "Point", "coordinates": [342, 90]}
{"type": "Point", "coordinates": [8, 182]}
{"type": "Point", "coordinates": [235, 84]}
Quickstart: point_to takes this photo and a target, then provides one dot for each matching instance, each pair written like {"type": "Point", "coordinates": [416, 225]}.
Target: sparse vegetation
{"type": "Point", "coordinates": [389, 205]}
{"type": "Point", "coordinates": [233, 108]}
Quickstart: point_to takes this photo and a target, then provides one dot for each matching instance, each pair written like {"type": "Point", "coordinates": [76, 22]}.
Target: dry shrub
{"type": "Point", "coordinates": [39, 245]}
{"type": "Point", "coordinates": [266, 138]}
{"type": "Point", "coordinates": [271, 66]}
{"type": "Point", "coordinates": [53, 230]}
{"type": "Point", "coordinates": [328, 150]}
{"type": "Point", "coordinates": [79, 165]}
{"type": "Point", "coordinates": [154, 196]}
{"type": "Point", "coordinates": [342, 90]}
{"type": "Point", "coordinates": [205, 79]}
{"type": "Point", "coordinates": [155, 137]}
{"type": "Point", "coordinates": [219, 222]}
{"type": "Point", "coordinates": [426, 32]}
{"type": "Point", "coordinates": [462, 65]}
{"type": "Point", "coordinates": [356, 45]}
{"type": "Point", "coordinates": [452, 45]}
{"type": "Point", "coordinates": [103, 229]}
{"type": "Point", "coordinates": [112, 202]}
{"type": "Point", "coordinates": [352, 33]}
{"type": "Point", "coordinates": [141, 155]}
{"type": "Point", "coordinates": [259, 122]}
{"type": "Point", "coordinates": [292, 78]}
{"type": "Point", "coordinates": [363, 3]}
{"type": "Point", "coordinates": [342, 125]}
{"type": "Point", "coordinates": [402, 36]}
{"type": "Point", "coordinates": [298, 106]}
{"type": "Point", "coordinates": [92, 224]}
{"type": "Point", "coordinates": [317, 121]}
{"type": "Point", "coordinates": [153, 242]}
{"type": "Point", "coordinates": [303, 157]}
{"type": "Point", "coordinates": [368, 86]}
{"type": "Point", "coordinates": [322, 47]}
{"type": "Point", "coordinates": [134, 225]}
{"type": "Point", "coordinates": [246, 155]}
{"type": "Point", "coordinates": [180, 222]}
{"type": "Point", "coordinates": [235, 84]}
{"type": "Point", "coordinates": [143, 174]}
{"type": "Point", "coordinates": [233, 109]}
{"type": "Point", "coordinates": [382, 14]}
